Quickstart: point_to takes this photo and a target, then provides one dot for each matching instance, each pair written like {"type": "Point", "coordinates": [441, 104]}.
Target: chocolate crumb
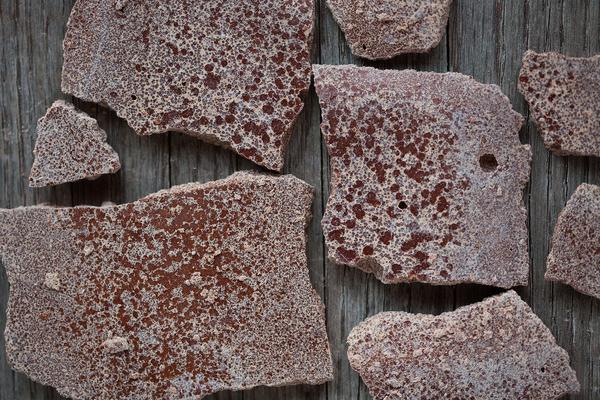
{"type": "Point", "coordinates": [427, 176]}
{"type": "Point", "coordinates": [563, 95]}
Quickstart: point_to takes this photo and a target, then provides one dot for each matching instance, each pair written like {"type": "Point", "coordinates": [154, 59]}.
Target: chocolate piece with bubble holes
{"type": "Point", "coordinates": [383, 29]}
{"type": "Point", "coordinates": [186, 292]}
{"type": "Point", "coordinates": [229, 72]}
{"type": "Point", "coordinates": [427, 176]}
{"type": "Point", "coordinates": [574, 258]}
{"type": "Point", "coordinates": [70, 146]}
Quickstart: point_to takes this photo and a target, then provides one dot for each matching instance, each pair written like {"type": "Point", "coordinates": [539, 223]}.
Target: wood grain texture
{"type": "Point", "coordinates": [484, 38]}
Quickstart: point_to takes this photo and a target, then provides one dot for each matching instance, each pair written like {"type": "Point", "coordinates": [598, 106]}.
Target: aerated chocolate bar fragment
{"type": "Point", "coordinates": [574, 258]}
{"type": "Point", "coordinates": [427, 177]}
{"type": "Point", "coordinates": [383, 29]}
{"type": "Point", "coordinates": [186, 292]}
{"type": "Point", "coordinates": [70, 146]}
{"type": "Point", "coordinates": [564, 99]}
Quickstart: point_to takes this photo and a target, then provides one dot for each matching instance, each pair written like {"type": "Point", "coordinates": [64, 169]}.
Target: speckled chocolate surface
{"type": "Point", "coordinates": [382, 29]}
{"type": "Point", "coordinates": [497, 349]}
{"type": "Point", "coordinates": [564, 98]}
{"type": "Point", "coordinates": [427, 177]}
{"type": "Point", "coordinates": [229, 72]}
{"type": "Point", "coordinates": [189, 291]}
{"type": "Point", "coordinates": [574, 258]}
{"type": "Point", "coordinates": [70, 146]}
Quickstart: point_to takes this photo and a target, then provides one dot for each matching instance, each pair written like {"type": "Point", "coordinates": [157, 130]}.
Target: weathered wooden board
{"type": "Point", "coordinates": [485, 38]}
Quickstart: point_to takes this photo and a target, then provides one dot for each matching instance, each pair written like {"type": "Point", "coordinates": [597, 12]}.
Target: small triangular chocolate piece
{"type": "Point", "coordinates": [564, 98]}
{"type": "Point", "coordinates": [186, 292]}
{"type": "Point", "coordinates": [70, 146]}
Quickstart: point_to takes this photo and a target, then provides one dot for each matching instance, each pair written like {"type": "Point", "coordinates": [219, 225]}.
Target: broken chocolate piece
{"type": "Point", "coordinates": [564, 98]}
{"type": "Point", "coordinates": [427, 177]}
{"type": "Point", "coordinates": [70, 146]}
{"type": "Point", "coordinates": [228, 72]}
{"type": "Point", "coordinates": [495, 350]}
{"type": "Point", "coordinates": [385, 28]}
{"type": "Point", "coordinates": [186, 292]}
{"type": "Point", "coordinates": [575, 255]}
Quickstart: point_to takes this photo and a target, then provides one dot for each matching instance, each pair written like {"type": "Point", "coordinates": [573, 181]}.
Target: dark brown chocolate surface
{"type": "Point", "coordinates": [186, 292]}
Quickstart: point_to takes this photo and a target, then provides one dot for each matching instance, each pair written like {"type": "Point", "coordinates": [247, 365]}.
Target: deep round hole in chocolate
{"type": "Point", "coordinates": [488, 162]}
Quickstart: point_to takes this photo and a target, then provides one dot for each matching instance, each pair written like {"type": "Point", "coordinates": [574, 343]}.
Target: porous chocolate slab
{"type": "Point", "coordinates": [383, 29]}
{"type": "Point", "coordinates": [497, 349]}
{"type": "Point", "coordinates": [70, 146]}
{"type": "Point", "coordinates": [186, 292]}
{"type": "Point", "coordinates": [574, 258]}
{"type": "Point", "coordinates": [564, 98]}
{"type": "Point", "coordinates": [427, 174]}
{"type": "Point", "coordinates": [228, 72]}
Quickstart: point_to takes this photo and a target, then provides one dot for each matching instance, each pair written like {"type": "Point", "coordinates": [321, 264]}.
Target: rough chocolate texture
{"type": "Point", "coordinates": [70, 146]}
{"type": "Point", "coordinates": [427, 177]}
{"type": "Point", "coordinates": [382, 29]}
{"type": "Point", "coordinates": [497, 349]}
{"type": "Point", "coordinates": [229, 72]}
{"type": "Point", "coordinates": [574, 258]}
{"type": "Point", "coordinates": [125, 322]}
{"type": "Point", "coordinates": [564, 98]}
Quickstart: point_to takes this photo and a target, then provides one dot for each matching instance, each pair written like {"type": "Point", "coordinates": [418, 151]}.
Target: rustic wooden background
{"type": "Point", "coordinates": [485, 39]}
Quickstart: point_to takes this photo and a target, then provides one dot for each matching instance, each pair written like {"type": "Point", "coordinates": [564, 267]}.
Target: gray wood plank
{"type": "Point", "coordinates": [578, 305]}
{"type": "Point", "coordinates": [557, 26]}
{"type": "Point", "coordinates": [31, 58]}
{"type": "Point", "coordinates": [485, 38]}
{"type": "Point", "coordinates": [352, 294]}
{"type": "Point", "coordinates": [346, 288]}
{"type": "Point", "coordinates": [539, 293]}
{"type": "Point", "coordinates": [475, 44]}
